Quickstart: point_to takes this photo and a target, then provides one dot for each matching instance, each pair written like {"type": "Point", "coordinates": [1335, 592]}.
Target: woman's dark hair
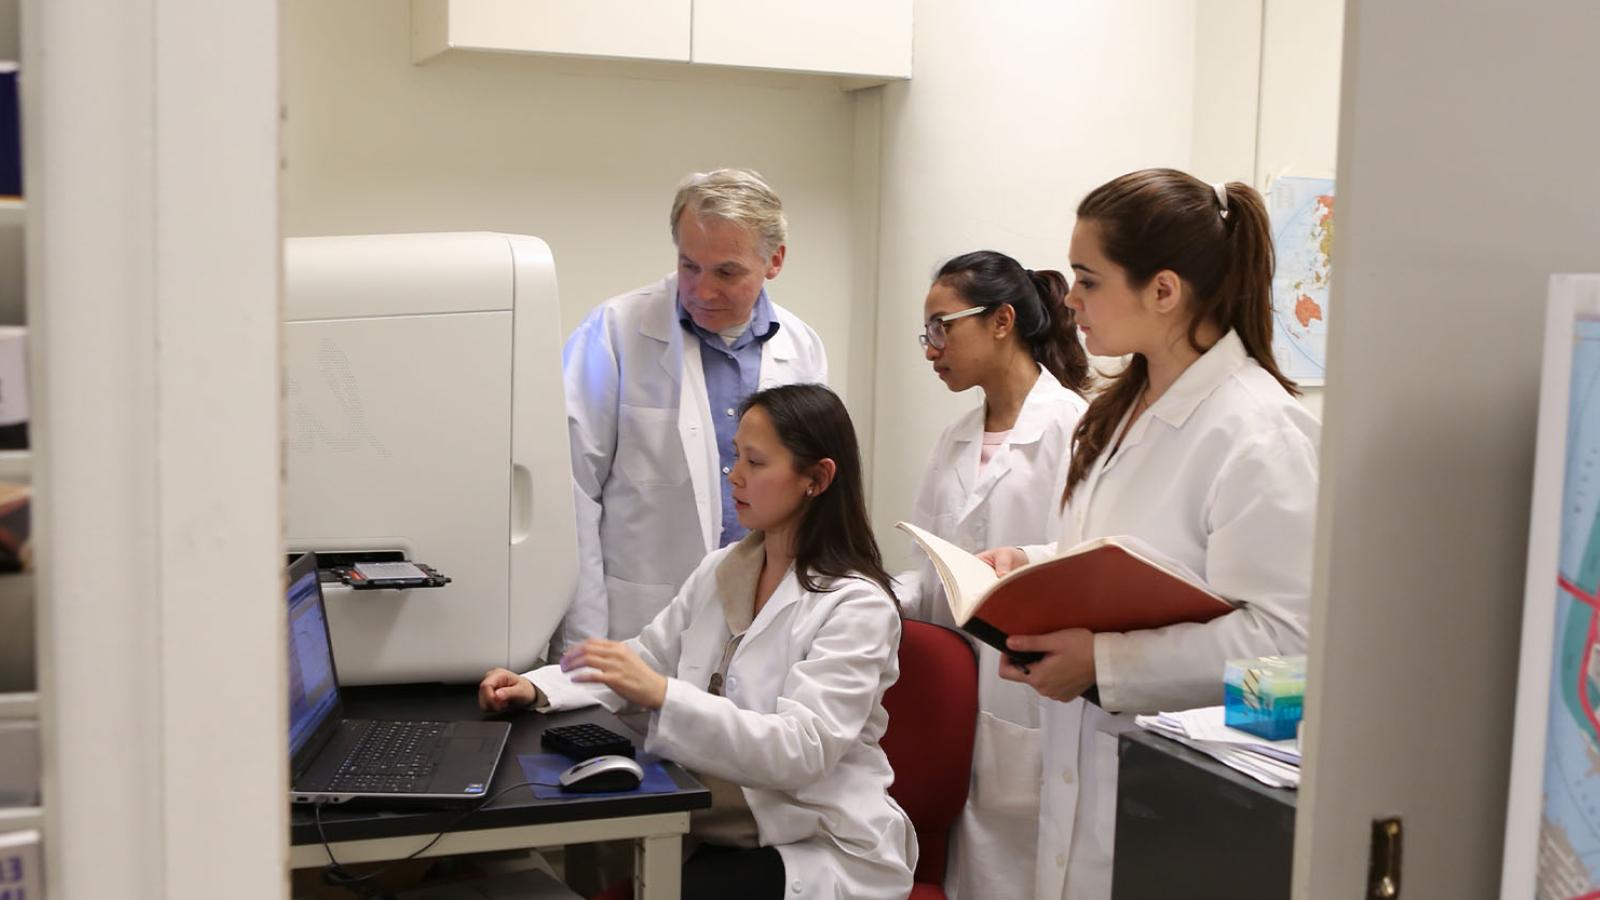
{"type": "Point", "coordinates": [834, 537]}
{"type": "Point", "coordinates": [991, 279]}
{"type": "Point", "coordinates": [1156, 220]}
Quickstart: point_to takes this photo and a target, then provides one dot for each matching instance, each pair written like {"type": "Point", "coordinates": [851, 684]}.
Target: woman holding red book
{"type": "Point", "coordinates": [1197, 448]}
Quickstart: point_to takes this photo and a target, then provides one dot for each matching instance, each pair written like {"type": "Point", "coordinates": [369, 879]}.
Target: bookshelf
{"type": "Point", "coordinates": [21, 806]}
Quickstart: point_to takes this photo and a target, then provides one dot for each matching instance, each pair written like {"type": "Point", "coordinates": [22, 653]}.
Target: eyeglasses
{"type": "Point", "coordinates": [933, 333]}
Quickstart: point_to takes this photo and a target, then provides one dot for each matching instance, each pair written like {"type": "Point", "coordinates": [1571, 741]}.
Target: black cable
{"type": "Point", "coordinates": [336, 875]}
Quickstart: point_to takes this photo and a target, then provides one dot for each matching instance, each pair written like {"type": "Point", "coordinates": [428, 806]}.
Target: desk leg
{"type": "Point", "coordinates": [658, 867]}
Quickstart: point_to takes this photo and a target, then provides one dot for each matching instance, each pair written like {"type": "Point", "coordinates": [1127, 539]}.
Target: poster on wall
{"type": "Point", "coordinates": [1301, 210]}
{"type": "Point", "coordinates": [1552, 847]}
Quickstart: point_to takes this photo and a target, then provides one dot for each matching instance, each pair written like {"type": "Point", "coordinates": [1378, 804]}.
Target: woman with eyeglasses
{"type": "Point", "coordinates": [995, 479]}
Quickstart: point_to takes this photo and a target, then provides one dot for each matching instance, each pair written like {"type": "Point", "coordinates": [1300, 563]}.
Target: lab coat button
{"type": "Point", "coordinates": [1061, 859]}
{"type": "Point", "coordinates": [796, 887]}
{"type": "Point", "coordinates": [1066, 776]}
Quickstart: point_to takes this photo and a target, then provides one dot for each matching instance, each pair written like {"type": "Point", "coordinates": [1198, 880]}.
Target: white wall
{"type": "Point", "coordinates": [580, 153]}
{"type": "Point", "coordinates": [1467, 176]}
{"type": "Point", "coordinates": [981, 155]}
{"type": "Point", "coordinates": [1300, 50]}
{"type": "Point", "coordinates": [1227, 89]}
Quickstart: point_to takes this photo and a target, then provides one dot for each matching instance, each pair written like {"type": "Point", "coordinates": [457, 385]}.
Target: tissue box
{"type": "Point", "coordinates": [1265, 696]}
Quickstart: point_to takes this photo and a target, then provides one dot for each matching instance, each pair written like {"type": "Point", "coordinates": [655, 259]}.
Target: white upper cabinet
{"type": "Point", "coordinates": [630, 29]}
{"type": "Point", "coordinates": [864, 39]}
{"type": "Point", "coordinates": [867, 38]}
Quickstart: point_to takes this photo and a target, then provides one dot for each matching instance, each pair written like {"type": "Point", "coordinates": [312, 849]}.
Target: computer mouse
{"type": "Point", "coordinates": [602, 773]}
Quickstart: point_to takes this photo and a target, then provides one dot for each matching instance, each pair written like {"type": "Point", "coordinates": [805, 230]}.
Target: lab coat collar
{"type": "Point", "coordinates": [1031, 419]}
{"type": "Point", "coordinates": [1201, 380]}
{"type": "Point", "coordinates": [1037, 411]}
{"type": "Point", "coordinates": [737, 576]}
{"type": "Point", "coordinates": [1028, 429]}
{"type": "Point", "coordinates": [781, 345]}
{"type": "Point", "coordinates": [787, 594]}
{"type": "Point", "coordinates": [661, 323]}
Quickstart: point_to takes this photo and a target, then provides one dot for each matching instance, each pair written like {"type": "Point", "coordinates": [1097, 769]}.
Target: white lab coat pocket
{"type": "Point", "coordinates": [633, 605]}
{"type": "Point", "coordinates": [1006, 767]}
{"type": "Point", "coordinates": [649, 450]}
{"type": "Point", "coordinates": [694, 673]}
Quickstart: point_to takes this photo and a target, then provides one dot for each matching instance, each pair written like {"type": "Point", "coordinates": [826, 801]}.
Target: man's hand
{"type": "Point", "coordinates": [503, 689]}
{"type": "Point", "coordinates": [1067, 669]}
{"type": "Point", "coordinates": [614, 665]}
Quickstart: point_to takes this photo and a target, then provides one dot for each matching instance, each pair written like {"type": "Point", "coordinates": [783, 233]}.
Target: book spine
{"type": "Point", "coordinates": [996, 638]}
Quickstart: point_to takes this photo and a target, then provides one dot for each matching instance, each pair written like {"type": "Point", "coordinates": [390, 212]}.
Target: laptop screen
{"type": "Point", "coordinates": [313, 685]}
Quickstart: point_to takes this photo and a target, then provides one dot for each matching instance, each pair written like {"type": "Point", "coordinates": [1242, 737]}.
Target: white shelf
{"type": "Point", "coordinates": [13, 212]}
{"type": "Point", "coordinates": [19, 706]}
{"type": "Point", "coordinates": [21, 818]}
{"type": "Point", "coordinates": [16, 467]}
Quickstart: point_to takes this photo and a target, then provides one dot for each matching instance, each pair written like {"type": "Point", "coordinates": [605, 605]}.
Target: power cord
{"type": "Point", "coordinates": [336, 875]}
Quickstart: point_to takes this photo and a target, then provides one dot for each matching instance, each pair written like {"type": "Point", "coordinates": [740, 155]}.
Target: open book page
{"type": "Point", "coordinates": [1114, 584]}
{"type": "Point", "coordinates": [965, 577]}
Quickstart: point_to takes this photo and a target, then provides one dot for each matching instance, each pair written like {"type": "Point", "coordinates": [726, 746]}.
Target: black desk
{"type": "Point", "coordinates": [1189, 826]}
{"type": "Point", "coordinates": [656, 822]}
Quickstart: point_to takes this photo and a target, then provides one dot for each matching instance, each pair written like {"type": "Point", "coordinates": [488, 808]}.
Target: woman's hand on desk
{"type": "Point", "coordinates": [616, 666]}
{"type": "Point", "coordinates": [1067, 669]}
{"type": "Point", "coordinates": [503, 689]}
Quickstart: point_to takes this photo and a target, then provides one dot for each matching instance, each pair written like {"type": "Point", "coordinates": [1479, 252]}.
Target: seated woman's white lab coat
{"type": "Point", "coordinates": [1014, 500]}
{"type": "Point", "coordinates": [1220, 475]}
{"type": "Point", "coordinates": [798, 727]}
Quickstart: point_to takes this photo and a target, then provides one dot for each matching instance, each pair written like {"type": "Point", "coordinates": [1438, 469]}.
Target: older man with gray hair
{"type": "Point", "coordinates": [654, 380]}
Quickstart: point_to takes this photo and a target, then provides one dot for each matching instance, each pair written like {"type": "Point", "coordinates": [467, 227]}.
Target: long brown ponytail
{"type": "Point", "coordinates": [1156, 220]}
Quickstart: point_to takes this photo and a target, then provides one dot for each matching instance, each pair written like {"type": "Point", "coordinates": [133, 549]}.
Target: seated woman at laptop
{"type": "Point", "coordinates": [765, 675]}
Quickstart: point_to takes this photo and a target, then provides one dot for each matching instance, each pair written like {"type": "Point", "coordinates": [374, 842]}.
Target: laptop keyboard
{"type": "Point", "coordinates": [390, 758]}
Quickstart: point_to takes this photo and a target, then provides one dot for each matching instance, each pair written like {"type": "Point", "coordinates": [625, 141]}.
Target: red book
{"type": "Point", "coordinates": [1110, 584]}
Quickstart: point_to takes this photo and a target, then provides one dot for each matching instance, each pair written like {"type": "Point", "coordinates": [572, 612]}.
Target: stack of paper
{"type": "Point", "coordinates": [1273, 763]}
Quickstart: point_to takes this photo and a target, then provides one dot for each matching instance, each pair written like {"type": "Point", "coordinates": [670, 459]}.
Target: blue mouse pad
{"type": "Point", "coordinates": [546, 769]}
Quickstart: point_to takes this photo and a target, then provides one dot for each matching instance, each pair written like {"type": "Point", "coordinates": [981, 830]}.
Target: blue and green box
{"type": "Point", "coordinates": [1265, 696]}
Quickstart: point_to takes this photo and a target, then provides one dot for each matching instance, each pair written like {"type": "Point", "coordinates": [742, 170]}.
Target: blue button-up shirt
{"type": "Point", "coordinates": [732, 374]}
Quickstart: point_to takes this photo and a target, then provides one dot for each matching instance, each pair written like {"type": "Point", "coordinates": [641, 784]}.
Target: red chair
{"type": "Point", "coordinates": [933, 717]}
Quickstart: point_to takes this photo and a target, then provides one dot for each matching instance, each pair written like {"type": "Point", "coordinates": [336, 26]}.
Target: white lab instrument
{"type": "Point", "coordinates": [425, 415]}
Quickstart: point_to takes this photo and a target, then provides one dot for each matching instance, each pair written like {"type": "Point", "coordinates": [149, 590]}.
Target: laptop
{"type": "Point", "coordinates": [333, 759]}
